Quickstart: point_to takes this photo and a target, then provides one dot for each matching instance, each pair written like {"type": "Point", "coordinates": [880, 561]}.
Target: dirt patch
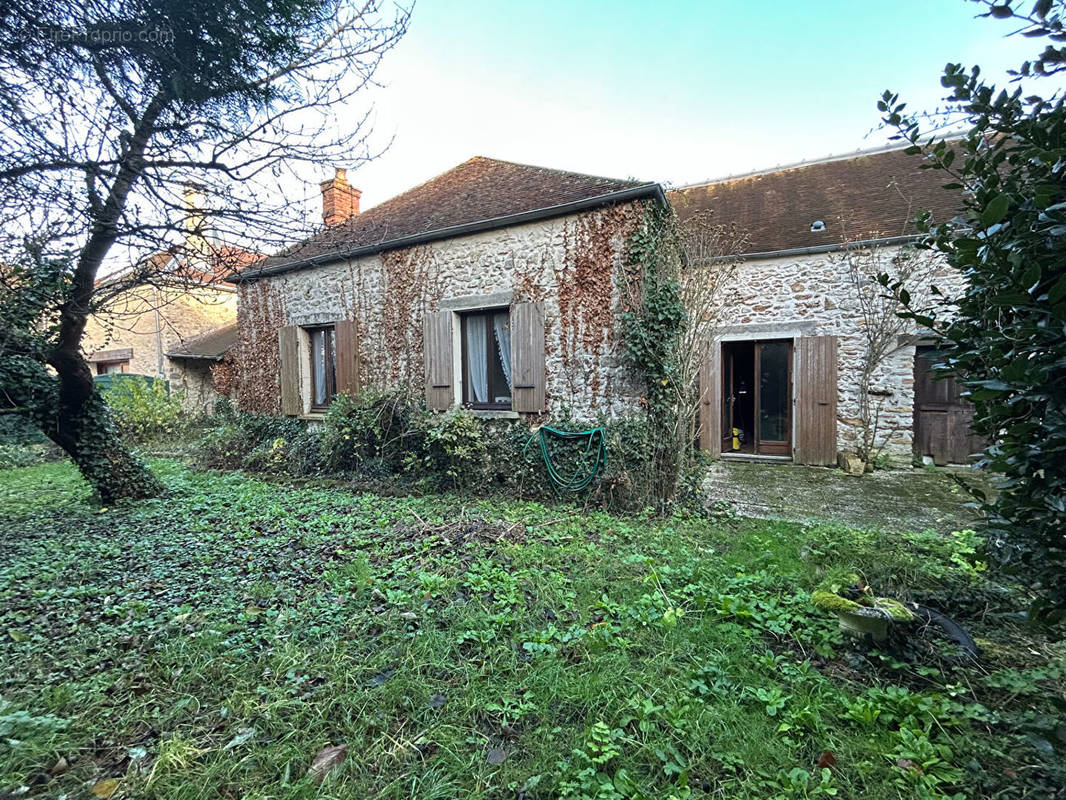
{"type": "Point", "coordinates": [474, 530]}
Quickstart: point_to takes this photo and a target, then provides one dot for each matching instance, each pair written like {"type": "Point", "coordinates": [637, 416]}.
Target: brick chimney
{"type": "Point", "coordinates": [339, 200]}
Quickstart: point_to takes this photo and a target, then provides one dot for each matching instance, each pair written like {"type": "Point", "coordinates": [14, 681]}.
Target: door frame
{"type": "Point", "coordinates": [773, 448]}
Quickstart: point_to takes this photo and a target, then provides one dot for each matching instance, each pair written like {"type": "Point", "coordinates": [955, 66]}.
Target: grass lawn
{"type": "Point", "coordinates": [210, 644]}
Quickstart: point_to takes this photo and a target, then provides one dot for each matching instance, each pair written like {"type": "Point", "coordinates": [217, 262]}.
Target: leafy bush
{"type": "Point", "coordinates": [26, 455]}
{"type": "Point", "coordinates": [259, 443]}
{"type": "Point", "coordinates": [1002, 334]}
{"type": "Point", "coordinates": [389, 441]}
{"type": "Point", "coordinates": [144, 409]}
{"type": "Point", "coordinates": [374, 425]}
{"type": "Point", "coordinates": [452, 446]}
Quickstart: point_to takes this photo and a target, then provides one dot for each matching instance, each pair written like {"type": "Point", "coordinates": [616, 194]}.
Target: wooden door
{"type": "Point", "coordinates": [816, 400]}
{"type": "Point", "coordinates": [773, 397]}
{"type": "Point", "coordinates": [942, 416]}
{"type": "Point", "coordinates": [710, 417]}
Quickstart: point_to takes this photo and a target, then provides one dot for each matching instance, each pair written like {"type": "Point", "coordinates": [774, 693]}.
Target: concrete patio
{"type": "Point", "coordinates": [908, 499]}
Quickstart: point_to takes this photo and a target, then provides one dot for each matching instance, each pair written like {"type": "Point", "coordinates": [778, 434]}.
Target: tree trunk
{"type": "Point", "coordinates": [71, 412]}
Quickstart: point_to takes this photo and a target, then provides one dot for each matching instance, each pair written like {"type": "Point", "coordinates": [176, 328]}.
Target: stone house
{"type": "Point", "coordinates": [785, 371]}
{"type": "Point", "coordinates": [149, 329]}
{"type": "Point", "coordinates": [499, 287]}
{"type": "Point", "coordinates": [495, 285]}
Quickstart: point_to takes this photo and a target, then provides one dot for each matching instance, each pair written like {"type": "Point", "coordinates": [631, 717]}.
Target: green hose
{"type": "Point", "coordinates": [577, 482]}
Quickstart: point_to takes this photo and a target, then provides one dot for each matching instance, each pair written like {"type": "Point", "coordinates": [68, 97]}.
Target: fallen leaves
{"type": "Point", "coordinates": [106, 788]}
{"type": "Point", "coordinates": [326, 760]}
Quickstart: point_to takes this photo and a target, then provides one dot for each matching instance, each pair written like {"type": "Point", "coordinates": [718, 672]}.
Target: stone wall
{"type": "Point", "coordinates": [151, 322]}
{"type": "Point", "coordinates": [572, 264]}
{"type": "Point", "coordinates": [193, 378]}
{"type": "Point", "coordinates": [815, 295]}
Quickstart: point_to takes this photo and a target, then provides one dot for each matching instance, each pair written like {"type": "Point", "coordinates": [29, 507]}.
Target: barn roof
{"type": "Point", "coordinates": [872, 195]}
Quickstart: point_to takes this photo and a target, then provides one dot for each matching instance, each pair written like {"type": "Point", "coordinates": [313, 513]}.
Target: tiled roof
{"type": "Point", "coordinates": [865, 196]}
{"type": "Point", "coordinates": [477, 190]}
{"type": "Point", "coordinates": [211, 345]}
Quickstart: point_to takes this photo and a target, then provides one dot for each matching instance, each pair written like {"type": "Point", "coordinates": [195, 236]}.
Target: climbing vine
{"type": "Point", "coordinates": [652, 325]}
{"type": "Point", "coordinates": [259, 316]}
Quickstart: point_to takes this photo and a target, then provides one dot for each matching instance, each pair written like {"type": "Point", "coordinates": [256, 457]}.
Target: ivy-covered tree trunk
{"type": "Point", "coordinates": [71, 412]}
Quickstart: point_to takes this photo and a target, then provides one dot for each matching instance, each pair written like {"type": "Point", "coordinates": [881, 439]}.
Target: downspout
{"type": "Point", "coordinates": [158, 335]}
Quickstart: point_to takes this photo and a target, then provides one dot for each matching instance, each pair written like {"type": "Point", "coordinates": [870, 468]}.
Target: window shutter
{"type": "Point", "coordinates": [710, 413]}
{"type": "Point", "coordinates": [440, 363]}
{"type": "Point", "coordinates": [816, 400]}
{"type": "Point", "coordinates": [527, 357]}
{"type": "Point", "coordinates": [346, 343]}
{"type": "Point", "coordinates": [289, 379]}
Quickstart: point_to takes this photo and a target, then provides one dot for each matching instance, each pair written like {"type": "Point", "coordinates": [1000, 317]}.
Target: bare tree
{"type": "Point", "coordinates": [884, 331]}
{"type": "Point", "coordinates": [676, 301]}
{"type": "Point", "coordinates": [712, 252]}
{"type": "Point", "coordinates": [108, 108]}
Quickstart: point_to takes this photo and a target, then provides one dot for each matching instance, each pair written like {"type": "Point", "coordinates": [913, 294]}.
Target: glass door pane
{"type": "Point", "coordinates": [774, 392]}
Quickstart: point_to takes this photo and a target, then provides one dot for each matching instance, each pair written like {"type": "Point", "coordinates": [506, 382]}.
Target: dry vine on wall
{"type": "Point", "coordinates": [258, 362]}
{"type": "Point", "coordinates": [587, 292]}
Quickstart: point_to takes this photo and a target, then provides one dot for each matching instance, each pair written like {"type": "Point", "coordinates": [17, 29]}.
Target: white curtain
{"type": "Point", "coordinates": [477, 351]}
{"type": "Point", "coordinates": [318, 351]}
{"type": "Point", "coordinates": [501, 325]}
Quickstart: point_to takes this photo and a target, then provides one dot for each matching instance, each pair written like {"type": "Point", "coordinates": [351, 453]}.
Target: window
{"type": "Point", "coordinates": [486, 341]}
{"type": "Point", "coordinates": [110, 367]}
{"type": "Point", "coordinates": [323, 367]}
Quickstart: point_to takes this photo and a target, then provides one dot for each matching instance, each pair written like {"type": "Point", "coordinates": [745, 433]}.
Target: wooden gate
{"type": "Point", "coordinates": [942, 417]}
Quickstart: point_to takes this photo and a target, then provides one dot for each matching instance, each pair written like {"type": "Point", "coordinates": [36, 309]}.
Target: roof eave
{"type": "Point", "coordinates": [194, 356]}
{"type": "Point", "coordinates": [822, 248]}
{"type": "Point", "coordinates": [652, 190]}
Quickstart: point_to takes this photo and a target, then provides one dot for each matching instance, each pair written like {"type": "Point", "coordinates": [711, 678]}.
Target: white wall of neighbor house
{"type": "Point", "coordinates": [545, 261]}
{"type": "Point", "coordinates": [814, 295]}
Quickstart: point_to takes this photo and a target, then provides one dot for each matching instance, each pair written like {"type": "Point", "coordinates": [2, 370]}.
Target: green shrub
{"type": "Point", "coordinates": [27, 455]}
{"type": "Point", "coordinates": [387, 440]}
{"type": "Point", "coordinates": [452, 447]}
{"type": "Point", "coordinates": [374, 426]}
{"type": "Point", "coordinates": [259, 443]}
{"type": "Point", "coordinates": [144, 409]}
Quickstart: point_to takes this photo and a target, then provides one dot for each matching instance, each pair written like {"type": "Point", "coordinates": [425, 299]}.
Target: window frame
{"type": "Point", "coordinates": [331, 366]}
{"type": "Point", "coordinates": [490, 345]}
{"type": "Point", "coordinates": [103, 367]}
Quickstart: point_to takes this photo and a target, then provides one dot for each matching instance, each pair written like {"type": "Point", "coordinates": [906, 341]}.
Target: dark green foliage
{"type": "Point", "coordinates": [1005, 335]}
{"type": "Point", "coordinates": [388, 441]}
{"type": "Point", "coordinates": [210, 643]}
{"type": "Point", "coordinates": [372, 425]}
{"type": "Point", "coordinates": [652, 333]}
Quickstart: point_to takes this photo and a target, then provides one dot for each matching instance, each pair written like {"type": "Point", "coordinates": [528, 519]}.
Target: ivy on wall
{"type": "Point", "coordinates": [652, 325]}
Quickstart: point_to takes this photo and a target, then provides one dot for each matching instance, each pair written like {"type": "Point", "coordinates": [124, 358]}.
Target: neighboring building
{"type": "Point", "coordinates": [785, 371]}
{"type": "Point", "coordinates": [494, 285]}
{"type": "Point", "coordinates": [139, 326]}
{"type": "Point", "coordinates": [201, 367]}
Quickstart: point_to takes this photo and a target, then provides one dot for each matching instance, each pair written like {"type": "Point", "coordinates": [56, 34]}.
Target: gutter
{"type": "Point", "coordinates": [822, 248]}
{"type": "Point", "coordinates": [192, 357]}
{"type": "Point", "coordinates": [652, 190]}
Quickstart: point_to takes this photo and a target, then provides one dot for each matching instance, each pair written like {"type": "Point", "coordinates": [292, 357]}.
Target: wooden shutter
{"type": "Point", "coordinates": [816, 400]}
{"type": "Point", "coordinates": [440, 364]}
{"type": "Point", "coordinates": [346, 344]}
{"type": "Point", "coordinates": [710, 414]}
{"type": "Point", "coordinates": [292, 402]}
{"type": "Point", "coordinates": [527, 357]}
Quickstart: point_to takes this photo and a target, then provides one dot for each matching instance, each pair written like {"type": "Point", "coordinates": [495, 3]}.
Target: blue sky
{"type": "Point", "coordinates": [667, 91]}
